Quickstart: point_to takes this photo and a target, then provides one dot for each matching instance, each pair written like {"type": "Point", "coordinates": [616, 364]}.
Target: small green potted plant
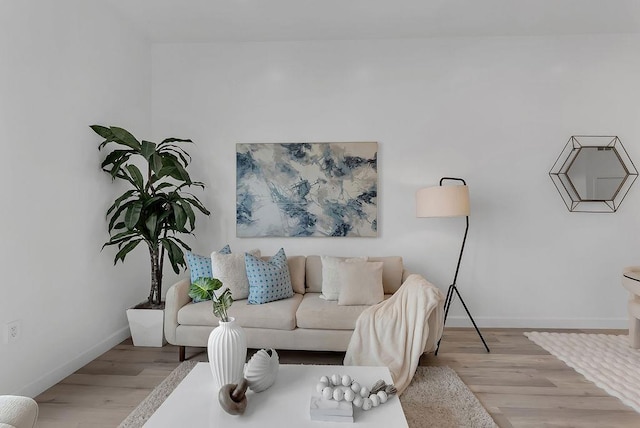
{"type": "Point", "coordinates": [227, 344]}
{"type": "Point", "coordinates": [205, 289]}
{"type": "Point", "coordinates": [156, 208]}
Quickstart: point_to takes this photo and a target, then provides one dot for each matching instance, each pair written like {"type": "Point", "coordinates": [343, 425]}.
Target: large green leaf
{"type": "Point", "coordinates": [118, 213]}
{"type": "Point", "coordinates": [147, 149]}
{"type": "Point", "coordinates": [121, 237]}
{"type": "Point", "coordinates": [102, 131]}
{"type": "Point", "coordinates": [132, 215]}
{"type": "Point", "coordinates": [118, 171]}
{"type": "Point", "coordinates": [175, 168]}
{"type": "Point", "coordinates": [191, 216]}
{"type": "Point", "coordinates": [182, 243]}
{"type": "Point", "coordinates": [136, 175]}
{"type": "Point", "coordinates": [180, 217]}
{"type": "Point", "coordinates": [174, 140]}
{"type": "Point", "coordinates": [156, 162]}
{"type": "Point", "coordinates": [197, 293]}
{"type": "Point", "coordinates": [152, 224]}
{"type": "Point", "coordinates": [221, 304]}
{"type": "Point", "coordinates": [196, 203]}
{"type": "Point", "coordinates": [125, 250]}
{"type": "Point", "coordinates": [175, 254]}
{"type": "Point", "coordinates": [121, 199]}
{"type": "Point", "coordinates": [166, 170]}
{"type": "Point", "coordinates": [163, 186]}
{"type": "Point", "coordinates": [115, 156]}
{"type": "Point", "coordinates": [159, 199]}
{"type": "Point", "coordinates": [176, 151]}
{"type": "Point", "coordinates": [124, 137]}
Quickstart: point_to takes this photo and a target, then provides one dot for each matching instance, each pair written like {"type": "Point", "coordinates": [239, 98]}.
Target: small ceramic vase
{"type": "Point", "coordinates": [262, 369]}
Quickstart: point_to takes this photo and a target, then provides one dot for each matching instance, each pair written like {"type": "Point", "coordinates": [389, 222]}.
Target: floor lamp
{"type": "Point", "coordinates": [448, 201]}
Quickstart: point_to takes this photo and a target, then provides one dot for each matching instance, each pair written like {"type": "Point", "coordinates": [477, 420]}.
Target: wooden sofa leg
{"type": "Point", "coordinates": [182, 352]}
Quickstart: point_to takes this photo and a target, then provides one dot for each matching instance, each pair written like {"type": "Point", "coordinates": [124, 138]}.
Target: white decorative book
{"type": "Point", "coordinates": [330, 410]}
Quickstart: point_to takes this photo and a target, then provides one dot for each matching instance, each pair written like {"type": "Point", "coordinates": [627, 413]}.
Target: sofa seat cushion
{"type": "Point", "coordinates": [317, 313]}
{"type": "Point", "coordinates": [278, 315]}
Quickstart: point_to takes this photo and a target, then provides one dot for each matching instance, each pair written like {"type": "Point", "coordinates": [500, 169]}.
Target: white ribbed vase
{"type": "Point", "coordinates": [227, 350]}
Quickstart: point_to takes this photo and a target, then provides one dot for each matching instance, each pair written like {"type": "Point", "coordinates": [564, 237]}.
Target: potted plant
{"type": "Point", "coordinates": [227, 344]}
{"type": "Point", "coordinates": [205, 289]}
{"type": "Point", "coordinates": [156, 208]}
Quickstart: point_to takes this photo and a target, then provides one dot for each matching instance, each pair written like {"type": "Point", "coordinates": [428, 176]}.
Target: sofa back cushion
{"type": "Point", "coordinates": [297, 272]}
{"type": "Point", "coordinates": [313, 270]}
{"type": "Point", "coordinates": [392, 268]}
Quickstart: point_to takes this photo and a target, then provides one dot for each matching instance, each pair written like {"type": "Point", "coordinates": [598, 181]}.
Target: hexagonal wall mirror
{"type": "Point", "coordinates": [593, 173]}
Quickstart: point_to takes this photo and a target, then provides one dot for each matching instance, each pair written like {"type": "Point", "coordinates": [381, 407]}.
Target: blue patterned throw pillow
{"type": "Point", "coordinates": [200, 266]}
{"type": "Point", "coordinates": [268, 280]}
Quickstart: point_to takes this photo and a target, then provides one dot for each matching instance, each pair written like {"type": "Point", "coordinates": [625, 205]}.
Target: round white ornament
{"type": "Point", "coordinates": [357, 401]}
{"type": "Point", "coordinates": [366, 403]}
{"type": "Point", "coordinates": [327, 393]}
{"type": "Point", "coordinates": [320, 386]}
{"type": "Point", "coordinates": [324, 379]}
{"type": "Point", "coordinates": [336, 379]}
{"type": "Point", "coordinates": [355, 386]}
{"type": "Point", "coordinates": [349, 395]}
{"type": "Point", "coordinates": [383, 396]}
{"type": "Point", "coordinates": [375, 400]}
{"type": "Point", "coordinates": [364, 392]}
{"type": "Point", "coordinates": [346, 380]}
{"type": "Point", "coordinates": [338, 394]}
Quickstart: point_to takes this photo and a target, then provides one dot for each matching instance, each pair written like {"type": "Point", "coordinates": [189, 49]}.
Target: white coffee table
{"type": "Point", "coordinates": [194, 403]}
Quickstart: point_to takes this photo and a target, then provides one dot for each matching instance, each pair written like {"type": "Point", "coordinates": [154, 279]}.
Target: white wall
{"type": "Point", "coordinates": [64, 65]}
{"type": "Point", "coordinates": [495, 111]}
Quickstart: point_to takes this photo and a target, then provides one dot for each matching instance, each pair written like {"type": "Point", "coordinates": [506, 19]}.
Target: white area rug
{"type": "Point", "coordinates": [606, 360]}
{"type": "Point", "coordinates": [436, 397]}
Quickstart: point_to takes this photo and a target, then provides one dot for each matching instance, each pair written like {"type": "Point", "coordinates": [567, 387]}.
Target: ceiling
{"type": "Point", "coordinates": [271, 20]}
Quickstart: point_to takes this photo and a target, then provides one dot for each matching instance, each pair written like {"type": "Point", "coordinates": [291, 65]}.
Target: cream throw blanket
{"type": "Point", "coordinates": [396, 332]}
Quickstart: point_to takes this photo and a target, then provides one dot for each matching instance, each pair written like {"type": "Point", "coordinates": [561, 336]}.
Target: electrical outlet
{"type": "Point", "coordinates": [13, 331]}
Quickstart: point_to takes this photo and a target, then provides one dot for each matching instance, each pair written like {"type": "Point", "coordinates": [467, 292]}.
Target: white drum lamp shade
{"type": "Point", "coordinates": [442, 201]}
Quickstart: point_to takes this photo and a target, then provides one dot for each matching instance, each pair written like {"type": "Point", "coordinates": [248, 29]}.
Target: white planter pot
{"type": "Point", "coordinates": [227, 350]}
{"type": "Point", "coordinates": [147, 327]}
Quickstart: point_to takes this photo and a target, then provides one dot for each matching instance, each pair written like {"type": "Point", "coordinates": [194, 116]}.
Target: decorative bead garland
{"type": "Point", "coordinates": [338, 388]}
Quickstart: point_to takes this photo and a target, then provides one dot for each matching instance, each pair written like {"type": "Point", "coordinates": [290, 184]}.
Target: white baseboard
{"type": "Point", "coordinates": [578, 323]}
{"type": "Point", "coordinates": [56, 375]}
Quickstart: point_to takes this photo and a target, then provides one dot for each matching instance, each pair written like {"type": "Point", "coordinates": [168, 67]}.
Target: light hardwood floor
{"type": "Point", "coordinates": [519, 383]}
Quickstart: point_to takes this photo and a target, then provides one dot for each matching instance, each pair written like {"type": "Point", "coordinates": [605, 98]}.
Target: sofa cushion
{"type": "Point", "coordinates": [391, 273]}
{"type": "Point", "coordinates": [200, 266]}
{"type": "Point", "coordinates": [332, 278]}
{"type": "Point", "coordinates": [317, 313]}
{"type": "Point", "coordinates": [313, 270]}
{"type": "Point", "coordinates": [392, 268]}
{"type": "Point", "coordinates": [231, 270]}
{"type": "Point", "coordinates": [269, 280]}
{"type": "Point", "coordinates": [278, 315]}
{"type": "Point", "coordinates": [297, 272]}
{"type": "Point", "coordinates": [361, 283]}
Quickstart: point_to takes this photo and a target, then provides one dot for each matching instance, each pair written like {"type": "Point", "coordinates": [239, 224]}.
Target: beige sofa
{"type": "Point", "coordinates": [302, 322]}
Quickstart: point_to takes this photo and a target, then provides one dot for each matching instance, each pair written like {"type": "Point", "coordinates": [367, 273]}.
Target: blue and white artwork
{"type": "Point", "coordinates": [307, 189]}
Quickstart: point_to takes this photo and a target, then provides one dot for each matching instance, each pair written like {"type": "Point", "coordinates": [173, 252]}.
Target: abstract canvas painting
{"type": "Point", "coordinates": [307, 189]}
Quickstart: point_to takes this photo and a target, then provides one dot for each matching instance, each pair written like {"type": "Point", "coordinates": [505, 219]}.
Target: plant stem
{"type": "Point", "coordinates": [156, 276]}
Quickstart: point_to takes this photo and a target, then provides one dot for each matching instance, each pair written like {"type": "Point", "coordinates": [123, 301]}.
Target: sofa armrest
{"type": "Point", "coordinates": [405, 275]}
{"type": "Point", "coordinates": [177, 297]}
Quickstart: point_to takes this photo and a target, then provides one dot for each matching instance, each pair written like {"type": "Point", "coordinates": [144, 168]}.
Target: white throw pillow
{"type": "Point", "coordinates": [361, 283]}
{"type": "Point", "coordinates": [330, 280]}
{"type": "Point", "coordinates": [232, 271]}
